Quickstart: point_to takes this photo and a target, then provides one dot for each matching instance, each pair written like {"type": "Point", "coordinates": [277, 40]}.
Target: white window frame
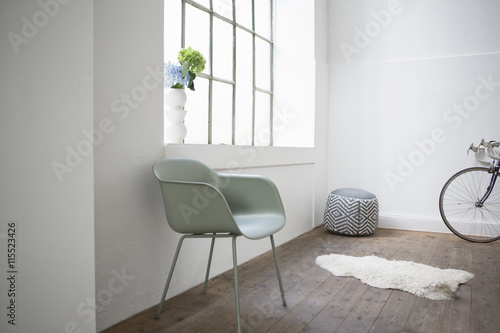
{"type": "Point", "coordinates": [208, 73]}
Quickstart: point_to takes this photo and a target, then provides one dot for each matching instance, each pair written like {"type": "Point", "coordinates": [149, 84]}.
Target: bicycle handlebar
{"type": "Point", "coordinates": [488, 148]}
{"type": "Point", "coordinates": [489, 143]}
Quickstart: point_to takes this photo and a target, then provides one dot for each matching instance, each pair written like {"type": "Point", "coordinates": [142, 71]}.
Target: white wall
{"type": "Point", "coordinates": [321, 113]}
{"type": "Point", "coordinates": [130, 228]}
{"type": "Point", "coordinates": [132, 236]}
{"type": "Point", "coordinates": [397, 82]}
{"type": "Point", "coordinates": [45, 107]}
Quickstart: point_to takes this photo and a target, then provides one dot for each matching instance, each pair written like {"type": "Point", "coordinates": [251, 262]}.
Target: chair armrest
{"type": "Point", "coordinates": [250, 194]}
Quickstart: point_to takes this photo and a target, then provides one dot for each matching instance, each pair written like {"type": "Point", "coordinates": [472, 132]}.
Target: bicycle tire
{"type": "Point", "coordinates": [457, 205]}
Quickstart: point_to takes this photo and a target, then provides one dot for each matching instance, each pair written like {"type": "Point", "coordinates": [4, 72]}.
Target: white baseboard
{"type": "Point", "coordinates": [412, 223]}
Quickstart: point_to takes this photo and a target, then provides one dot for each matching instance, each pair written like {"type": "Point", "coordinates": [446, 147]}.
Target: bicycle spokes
{"type": "Point", "coordinates": [470, 205]}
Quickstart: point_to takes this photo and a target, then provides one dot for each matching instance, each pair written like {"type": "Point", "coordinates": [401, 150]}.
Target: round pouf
{"type": "Point", "coordinates": [351, 211]}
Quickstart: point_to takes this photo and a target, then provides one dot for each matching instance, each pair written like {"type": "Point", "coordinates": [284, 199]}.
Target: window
{"type": "Point", "coordinates": [233, 101]}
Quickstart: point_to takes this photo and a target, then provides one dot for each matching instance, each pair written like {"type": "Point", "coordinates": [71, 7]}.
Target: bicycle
{"type": "Point", "coordinates": [469, 202]}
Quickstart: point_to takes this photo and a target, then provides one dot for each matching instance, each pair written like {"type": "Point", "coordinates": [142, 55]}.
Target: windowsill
{"type": "Point", "coordinates": [229, 157]}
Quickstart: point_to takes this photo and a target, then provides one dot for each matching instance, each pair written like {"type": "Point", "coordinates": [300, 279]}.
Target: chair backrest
{"type": "Point", "coordinates": [184, 170]}
{"type": "Point", "coordinates": [191, 196]}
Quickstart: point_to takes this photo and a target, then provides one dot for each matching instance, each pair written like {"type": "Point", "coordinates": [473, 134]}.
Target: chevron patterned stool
{"type": "Point", "coordinates": [351, 211]}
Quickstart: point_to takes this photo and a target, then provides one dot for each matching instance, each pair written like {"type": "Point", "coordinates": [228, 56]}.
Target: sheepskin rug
{"type": "Point", "coordinates": [418, 279]}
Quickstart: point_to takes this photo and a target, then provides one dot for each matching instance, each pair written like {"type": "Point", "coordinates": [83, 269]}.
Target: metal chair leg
{"type": "Point", "coordinates": [208, 266]}
{"type": "Point", "coordinates": [170, 275]}
{"type": "Point", "coordinates": [237, 297]}
{"type": "Point", "coordinates": [278, 271]}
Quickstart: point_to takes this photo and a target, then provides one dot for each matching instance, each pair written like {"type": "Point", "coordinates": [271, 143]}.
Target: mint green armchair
{"type": "Point", "coordinates": [202, 203]}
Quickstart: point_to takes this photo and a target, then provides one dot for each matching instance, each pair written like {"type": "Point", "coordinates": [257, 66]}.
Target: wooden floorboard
{"type": "Point", "coordinates": [318, 301]}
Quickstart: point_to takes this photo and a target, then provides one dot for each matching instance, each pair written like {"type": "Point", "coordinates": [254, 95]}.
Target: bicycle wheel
{"type": "Point", "coordinates": [460, 211]}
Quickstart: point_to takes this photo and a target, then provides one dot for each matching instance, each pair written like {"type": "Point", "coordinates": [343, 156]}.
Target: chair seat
{"type": "Point", "coordinates": [256, 226]}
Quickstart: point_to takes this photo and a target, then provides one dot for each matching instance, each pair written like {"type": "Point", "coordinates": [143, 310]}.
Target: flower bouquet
{"type": "Point", "coordinates": [178, 75]}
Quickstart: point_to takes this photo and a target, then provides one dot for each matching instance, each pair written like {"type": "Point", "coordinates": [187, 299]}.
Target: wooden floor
{"type": "Point", "coordinates": [320, 302]}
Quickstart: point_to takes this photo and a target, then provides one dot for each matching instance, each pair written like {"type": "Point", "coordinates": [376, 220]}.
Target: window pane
{"type": "Point", "coordinates": [244, 97]}
{"type": "Point", "coordinates": [198, 31]}
{"type": "Point", "coordinates": [196, 119]}
{"type": "Point", "coordinates": [263, 64]}
{"type": "Point", "coordinates": [262, 119]}
{"type": "Point", "coordinates": [172, 41]}
{"type": "Point", "coordinates": [244, 13]}
{"type": "Point", "coordinates": [222, 114]}
{"type": "Point", "coordinates": [224, 8]}
{"type": "Point", "coordinates": [262, 18]}
{"type": "Point", "coordinates": [223, 50]}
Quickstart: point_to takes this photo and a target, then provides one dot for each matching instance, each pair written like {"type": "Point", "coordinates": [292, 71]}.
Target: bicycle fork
{"type": "Point", "coordinates": [494, 169]}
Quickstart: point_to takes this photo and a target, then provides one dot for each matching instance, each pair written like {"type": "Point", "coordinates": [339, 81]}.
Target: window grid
{"type": "Point", "coordinates": [211, 78]}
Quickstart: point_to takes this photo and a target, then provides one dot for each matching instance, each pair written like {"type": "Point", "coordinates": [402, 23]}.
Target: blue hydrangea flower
{"type": "Point", "coordinates": [173, 76]}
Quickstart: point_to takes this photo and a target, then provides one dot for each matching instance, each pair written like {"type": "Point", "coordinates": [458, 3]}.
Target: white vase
{"type": "Point", "coordinates": [175, 98]}
{"type": "Point", "coordinates": [174, 101]}
{"type": "Point", "coordinates": [175, 130]}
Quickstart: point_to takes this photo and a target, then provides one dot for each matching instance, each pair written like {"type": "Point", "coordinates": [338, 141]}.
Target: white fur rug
{"type": "Point", "coordinates": [421, 280]}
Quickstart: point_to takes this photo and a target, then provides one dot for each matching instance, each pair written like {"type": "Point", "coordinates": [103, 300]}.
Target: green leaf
{"type": "Point", "coordinates": [185, 68]}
